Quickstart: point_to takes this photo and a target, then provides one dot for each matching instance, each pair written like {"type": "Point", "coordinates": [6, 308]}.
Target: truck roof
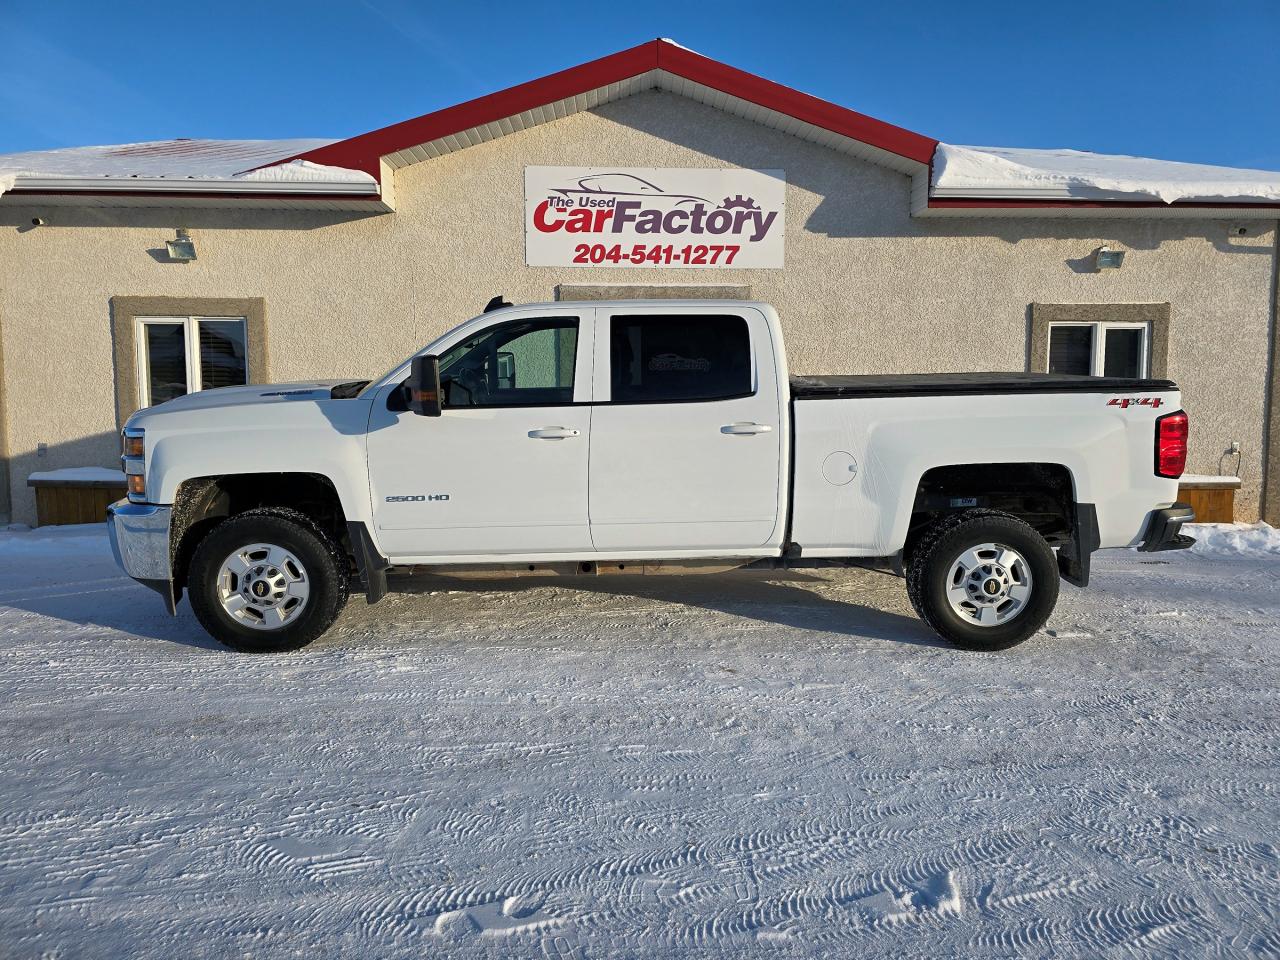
{"type": "Point", "coordinates": [643, 303]}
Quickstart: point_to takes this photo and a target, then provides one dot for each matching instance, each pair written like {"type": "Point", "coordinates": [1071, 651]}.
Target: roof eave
{"type": "Point", "coordinates": [193, 185]}
{"type": "Point", "coordinates": [991, 204]}
{"type": "Point", "coordinates": [257, 199]}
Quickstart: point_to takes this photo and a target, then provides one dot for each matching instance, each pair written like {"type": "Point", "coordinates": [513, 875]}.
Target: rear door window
{"type": "Point", "coordinates": [674, 358]}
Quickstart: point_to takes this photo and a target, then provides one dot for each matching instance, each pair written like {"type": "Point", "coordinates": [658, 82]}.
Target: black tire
{"type": "Point", "coordinates": [932, 562]}
{"type": "Point", "coordinates": [324, 564]}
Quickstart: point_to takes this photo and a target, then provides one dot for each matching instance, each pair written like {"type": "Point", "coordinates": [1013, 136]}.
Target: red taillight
{"type": "Point", "coordinates": [1171, 444]}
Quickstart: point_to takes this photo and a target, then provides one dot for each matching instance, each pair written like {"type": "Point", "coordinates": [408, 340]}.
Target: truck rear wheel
{"type": "Point", "coordinates": [267, 580]}
{"type": "Point", "coordinates": [983, 579]}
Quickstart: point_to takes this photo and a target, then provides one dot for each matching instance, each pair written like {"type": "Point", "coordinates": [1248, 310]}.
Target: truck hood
{"type": "Point", "coordinates": [224, 397]}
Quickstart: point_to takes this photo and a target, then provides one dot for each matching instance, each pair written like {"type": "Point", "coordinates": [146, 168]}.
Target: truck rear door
{"type": "Point", "coordinates": [687, 430]}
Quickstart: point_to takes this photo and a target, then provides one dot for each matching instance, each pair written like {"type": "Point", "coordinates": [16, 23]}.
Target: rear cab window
{"type": "Point", "coordinates": [679, 358]}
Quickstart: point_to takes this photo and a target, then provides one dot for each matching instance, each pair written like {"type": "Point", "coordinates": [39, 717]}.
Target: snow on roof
{"type": "Point", "coordinates": [1076, 174]}
{"type": "Point", "coordinates": [193, 162]}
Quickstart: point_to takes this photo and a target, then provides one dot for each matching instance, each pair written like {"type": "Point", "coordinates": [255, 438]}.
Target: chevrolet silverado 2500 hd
{"type": "Point", "coordinates": [597, 437]}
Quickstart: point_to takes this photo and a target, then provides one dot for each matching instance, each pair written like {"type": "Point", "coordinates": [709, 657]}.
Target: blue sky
{"type": "Point", "coordinates": [1176, 80]}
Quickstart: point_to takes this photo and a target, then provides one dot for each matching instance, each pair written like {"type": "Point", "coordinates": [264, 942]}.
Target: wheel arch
{"type": "Point", "coordinates": [1042, 494]}
{"type": "Point", "coordinates": [201, 503]}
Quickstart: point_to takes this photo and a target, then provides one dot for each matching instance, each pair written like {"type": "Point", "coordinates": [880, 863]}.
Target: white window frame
{"type": "Point", "coordinates": [190, 332]}
{"type": "Point", "coordinates": [1098, 362]}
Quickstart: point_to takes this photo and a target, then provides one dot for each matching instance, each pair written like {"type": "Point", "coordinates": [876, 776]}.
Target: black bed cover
{"type": "Point", "coordinates": [950, 384]}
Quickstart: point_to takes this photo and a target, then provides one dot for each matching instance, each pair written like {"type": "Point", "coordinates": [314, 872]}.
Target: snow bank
{"type": "Point", "coordinates": [1095, 176]}
{"type": "Point", "coordinates": [1234, 538]}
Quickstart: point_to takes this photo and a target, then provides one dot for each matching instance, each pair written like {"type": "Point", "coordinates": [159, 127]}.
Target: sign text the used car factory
{"type": "Point", "coordinates": [653, 217]}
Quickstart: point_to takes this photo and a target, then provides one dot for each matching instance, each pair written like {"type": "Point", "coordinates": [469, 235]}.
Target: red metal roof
{"type": "Point", "coordinates": [363, 152]}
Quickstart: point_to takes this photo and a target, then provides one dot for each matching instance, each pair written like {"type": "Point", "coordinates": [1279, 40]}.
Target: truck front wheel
{"type": "Point", "coordinates": [267, 580]}
{"type": "Point", "coordinates": [983, 579]}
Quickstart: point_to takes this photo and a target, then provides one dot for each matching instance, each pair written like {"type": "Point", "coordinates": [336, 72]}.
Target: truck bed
{"type": "Point", "coordinates": [944, 384]}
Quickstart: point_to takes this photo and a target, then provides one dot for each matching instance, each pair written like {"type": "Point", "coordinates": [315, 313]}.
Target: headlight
{"type": "Point", "coordinates": [134, 463]}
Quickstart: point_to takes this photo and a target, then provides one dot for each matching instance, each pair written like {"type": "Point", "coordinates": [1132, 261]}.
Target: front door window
{"type": "Point", "coordinates": [518, 364]}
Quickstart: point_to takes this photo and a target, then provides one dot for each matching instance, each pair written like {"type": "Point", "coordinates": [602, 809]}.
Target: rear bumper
{"type": "Point", "coordinates": [1164, 530]}
{"type": "Point", "coordinates": [139, 535]}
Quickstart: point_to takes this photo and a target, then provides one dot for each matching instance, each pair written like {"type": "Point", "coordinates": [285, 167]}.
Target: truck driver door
{"type": "Point", "coordinates": [503, 470]}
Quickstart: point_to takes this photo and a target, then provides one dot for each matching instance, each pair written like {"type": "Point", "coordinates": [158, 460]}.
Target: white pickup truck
{"type": "Point", "coordinates": [639, 436]}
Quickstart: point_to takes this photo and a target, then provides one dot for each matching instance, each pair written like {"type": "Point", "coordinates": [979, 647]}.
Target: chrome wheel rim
{"type": "Point", "coordinates": [989, 584]}
{"type": "Point", "coordinates": [263, 586]}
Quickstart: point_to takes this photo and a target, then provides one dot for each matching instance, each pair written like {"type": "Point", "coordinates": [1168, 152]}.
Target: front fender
{"type": "Point", "coordinates": [322, 437]}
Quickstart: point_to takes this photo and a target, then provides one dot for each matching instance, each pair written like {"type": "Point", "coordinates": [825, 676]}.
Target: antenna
{"type": "Point", "coordinates": [497, 303]}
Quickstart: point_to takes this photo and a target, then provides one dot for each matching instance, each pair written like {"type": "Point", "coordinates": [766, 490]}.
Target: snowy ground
{"type": "Point", "coordinates": [643, 768]}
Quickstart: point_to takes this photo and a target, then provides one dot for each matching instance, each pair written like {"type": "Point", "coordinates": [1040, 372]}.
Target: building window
{"type": "Point", "coordinates": [1100, 339]}
{"type": "Point", "coordinates": [180, 355]}
{"type": "Point", "coordinates": [1099, 349]}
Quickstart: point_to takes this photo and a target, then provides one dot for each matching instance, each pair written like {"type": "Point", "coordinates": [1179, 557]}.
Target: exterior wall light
{"type": "Point", "coordinates": [1104, 258]}
{"type": "Point", "coordinates": [182, 248]}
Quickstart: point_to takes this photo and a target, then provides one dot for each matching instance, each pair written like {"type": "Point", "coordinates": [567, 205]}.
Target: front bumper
{"type": "Point", "coordinates": [139, 535]}
{"type": "Point", "coordinates": [1163, 532]}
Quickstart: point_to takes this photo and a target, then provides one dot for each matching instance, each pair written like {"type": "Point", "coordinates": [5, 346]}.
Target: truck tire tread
{"type": "Point", "coordinates": [329, 574]}
{"type": "Point", "coordinates": [932, 609]}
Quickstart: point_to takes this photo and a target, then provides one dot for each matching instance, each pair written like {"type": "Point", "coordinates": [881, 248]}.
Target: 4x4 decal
{"type": "Point", "coordinates": [1124, 403]}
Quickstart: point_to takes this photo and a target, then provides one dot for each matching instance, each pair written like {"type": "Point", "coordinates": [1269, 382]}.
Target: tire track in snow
{"type": "Point", "coordinates": [576, 774]}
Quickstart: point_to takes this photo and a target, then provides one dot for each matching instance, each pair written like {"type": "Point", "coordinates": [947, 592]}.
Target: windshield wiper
{"type": "Point", "coordinates": [345, 391]}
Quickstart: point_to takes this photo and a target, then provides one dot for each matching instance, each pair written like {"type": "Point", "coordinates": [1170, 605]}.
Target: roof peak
{"type": "Point", "coordinates": [661, 62]}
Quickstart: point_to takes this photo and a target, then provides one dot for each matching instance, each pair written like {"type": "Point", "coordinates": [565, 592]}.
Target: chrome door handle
{"type": "Point", "coordinates": [553, 433]}
{"type": "Point", "coordinates": [745, 429]}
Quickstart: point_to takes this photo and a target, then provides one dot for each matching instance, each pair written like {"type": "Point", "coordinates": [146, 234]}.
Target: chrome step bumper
{"type": "Point", "coordinates": [139, 535]}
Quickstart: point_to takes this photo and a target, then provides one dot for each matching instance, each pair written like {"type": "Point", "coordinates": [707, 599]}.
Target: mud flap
{"type": "Point", "coordinates": [1074, 556]}
{"type": "Point", "coordinates": [370, 564]}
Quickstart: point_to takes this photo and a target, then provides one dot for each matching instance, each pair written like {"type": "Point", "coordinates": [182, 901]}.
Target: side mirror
{"type": "Point", "coordinates": [422, 389]}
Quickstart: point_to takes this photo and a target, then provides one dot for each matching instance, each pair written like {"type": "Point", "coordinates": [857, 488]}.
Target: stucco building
{"type": "Point", "coordinates": [889, 252]}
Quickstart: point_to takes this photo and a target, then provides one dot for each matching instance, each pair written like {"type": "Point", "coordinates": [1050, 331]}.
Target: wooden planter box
{"type": "Point", "coordinates": [63, 498]}
{"type": "Point", "coordinates": [1212, 498]}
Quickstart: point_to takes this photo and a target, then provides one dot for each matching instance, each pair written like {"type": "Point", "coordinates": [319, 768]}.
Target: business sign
{"type": "Point", "coordinates": [647, 217]}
